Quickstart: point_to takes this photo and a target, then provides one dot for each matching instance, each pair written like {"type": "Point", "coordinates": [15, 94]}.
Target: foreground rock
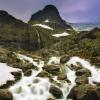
{"type": "Point", "coordinates": [28, 72]}
{"type": "Point", "coordinates": [56, 92]}
{"type": "Point", "coordinates": [74, 67]}
{"type": "Point", "coordinates": [64, 59]}
{"type": "Point", "coordinates": [63, 77]}
{"type": "Point", "coordinates": [81, 80]}
{"type": "Point", "coordinates": [17, 75]}
{"type": "Point", "coordinates": [84, 92]}
{"type": "Point", "coordinates": [52, 69]}
{"type": "Point", "coordinates": [5, 95]}
{"type": "Point", "coordinates": [44, 74]}
{"type": "Point", "coordinates": [83, 71]}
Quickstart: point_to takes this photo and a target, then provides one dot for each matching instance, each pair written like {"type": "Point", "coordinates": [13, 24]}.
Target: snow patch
{"type": "Point", "coordinates": [46, 21]}
{"type": "Point", "coordinates": [5, 73]}
{"type": "Point", "coordinates": [43, 26]}
{"type": "Point", "coordinates": [61, 35]}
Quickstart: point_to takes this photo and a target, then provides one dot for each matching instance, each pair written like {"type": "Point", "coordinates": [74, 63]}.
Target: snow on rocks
{"type": "Point", "coordinates": [5, 73]}
{"type": "Point", "coordinates": [46, 21]}
{"type": "Point", "coordinates": [61, 35]}
{"type": "Point", "coordinates": [43, 26]}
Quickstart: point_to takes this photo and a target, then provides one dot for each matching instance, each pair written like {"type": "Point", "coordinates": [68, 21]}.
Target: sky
{"type": "Point", "coordinates": [74, 11]}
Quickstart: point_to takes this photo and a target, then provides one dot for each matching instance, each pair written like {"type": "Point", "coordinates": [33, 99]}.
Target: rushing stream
{"type": "Point", "coordinates": [36, 88]}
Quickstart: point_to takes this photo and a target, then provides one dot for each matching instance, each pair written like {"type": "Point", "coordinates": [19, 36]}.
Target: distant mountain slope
{"type": "Point", "coordinates": [50, 16]}
{"type": "Point", "coordinates": [16, 34]}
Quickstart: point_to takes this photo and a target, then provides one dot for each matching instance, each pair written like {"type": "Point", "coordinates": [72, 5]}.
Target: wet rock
{"type": "Point", "coordinates": [75, 67]}
{"type": "Point", "coordinates": [7, 85]}
{"type": "Point", "coordinates": [52, 69]}
{"type": "Point", "coordinates": [83, 92]}
{"type": "Point", "coordinates": [81, 80]}
{"type": "Point", "coordinates": [3, 58]}
{"type": "Point", "coordinates": [36, 81]}
{"type": "Point", "coordinates": [5, 95]}
{"type": "Point", "coordinates": [17, 75]}
{"type": "Point", "coordinates": [83, 71]}
{"type": "Point", "coordinates": [98, 91]}
{"type": "Point", "coordinates": [28, 72]}
{"type": "Point", "coordinates": [44, 74]}
{"type": "Point", "coordinates": [63, 77]}
{"type": "Point", "coordinates": [27, 65]}
{"type": "Point", "coordinates": [56, 92]}
{"type": "Point", "coordinates": [64, 59]}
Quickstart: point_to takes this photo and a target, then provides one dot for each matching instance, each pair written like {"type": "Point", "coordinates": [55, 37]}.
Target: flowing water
{"type": "Point", "coordinates": [36, 88]}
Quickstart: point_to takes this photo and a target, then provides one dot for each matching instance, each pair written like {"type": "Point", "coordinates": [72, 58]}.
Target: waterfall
{"type": "Point", "coordinates": [36, 88]}
{"type": "Point", "coordinates": [39, 40]}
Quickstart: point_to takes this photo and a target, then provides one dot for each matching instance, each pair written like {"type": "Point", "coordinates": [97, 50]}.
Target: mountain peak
{"type": "Point", "coordinates": [50, 7]}
{"type": "Point", "coordinates": [2, 12]}
{"type": "Point", "coordinates": [51, 13]}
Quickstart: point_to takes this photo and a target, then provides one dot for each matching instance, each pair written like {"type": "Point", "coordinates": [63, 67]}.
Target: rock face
{"type": "Point", "coordinates": [5, 95]}
{"type": "Point", "coordinates": [51, 14]}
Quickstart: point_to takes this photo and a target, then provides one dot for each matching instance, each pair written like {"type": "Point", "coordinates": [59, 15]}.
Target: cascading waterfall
{"type": "Point", "coordinates": [35, 88]}
{"type": "Point", "coordinates": [39, 40]}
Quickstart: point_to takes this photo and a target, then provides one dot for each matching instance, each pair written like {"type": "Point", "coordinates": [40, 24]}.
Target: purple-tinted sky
{"type": "Point", "coordinates": [71, 10]}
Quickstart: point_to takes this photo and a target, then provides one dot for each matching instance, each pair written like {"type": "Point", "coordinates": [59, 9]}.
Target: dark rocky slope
{"type": "Point", "coordinates": [16, 34]}
{"type": "Point", "coordinates": [50, 13]}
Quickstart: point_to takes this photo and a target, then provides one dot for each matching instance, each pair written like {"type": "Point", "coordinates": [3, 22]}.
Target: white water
{"type": "Point", "coordinates": [29, 89]}
{"type": "Point", "coordinates": [43, 26]}
{"type": "Point", "coordinates": [94, 71]}
{"type": "Point", "coordinates": [5, 73]}
{"type": "Point", "coordinates": [54, 60]}
{"type": "Point", "coordinates": [35, 88]}
{"type": "Point", "coordinates": [61, 35]}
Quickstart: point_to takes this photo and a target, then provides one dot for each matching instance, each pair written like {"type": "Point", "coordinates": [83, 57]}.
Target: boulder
{"type": "Point", "coordinates": [83, 92]}
{"type": "Point", "coordinates": [56, 92]}
{"type": "Point", "coordinates": [63, 77]}
{"type": "Point", "coordinates": [28, 72]}
{"type": "Point", "coordinates": [81, 80]}
{"type": "Point", "coordinates": [17, 75]}
{"type": "Point", "coordinates": [52, 69]}
{"type": "Point", "coordinates": [83, 71]}
{"type": "Point", "coordinates": [98, 91]}
{"type": "Point", "coordinates": [5, 95]}
{"type": "Point", "coordinates": [7, 85]}
{"type": "Point", "coordinates": [74, 67]}
{"type": "Point", "coordinates": [44, 74]}
{"type": "Point", "coordinates": [64, 59]}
